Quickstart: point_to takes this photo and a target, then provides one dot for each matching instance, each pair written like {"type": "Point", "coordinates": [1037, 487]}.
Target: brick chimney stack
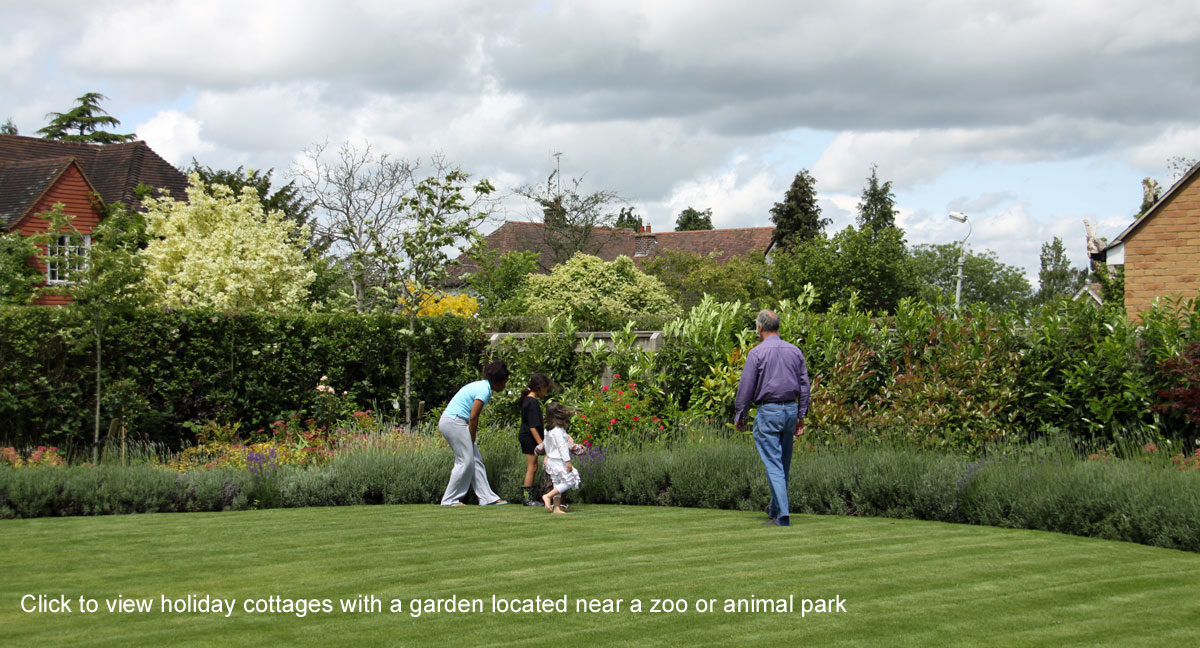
{"type": "Point", "coordinates": [644, 242]}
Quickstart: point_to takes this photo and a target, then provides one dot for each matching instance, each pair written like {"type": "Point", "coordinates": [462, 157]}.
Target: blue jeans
{"type": "Point", "coordinates": [774, 430]}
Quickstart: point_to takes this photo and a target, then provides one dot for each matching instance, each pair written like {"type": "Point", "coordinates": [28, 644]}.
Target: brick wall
{"type": "Point", "coordinates": [1162, 258]}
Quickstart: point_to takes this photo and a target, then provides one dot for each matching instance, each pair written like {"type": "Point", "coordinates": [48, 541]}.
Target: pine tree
{"type": "Point", "coordinates": [877, 211]}
{"type": "Point", "coordinates": [798, 218]}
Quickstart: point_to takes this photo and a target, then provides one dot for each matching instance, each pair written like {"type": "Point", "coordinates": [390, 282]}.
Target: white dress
{"type": "Point", "coordinates": [558, 453]}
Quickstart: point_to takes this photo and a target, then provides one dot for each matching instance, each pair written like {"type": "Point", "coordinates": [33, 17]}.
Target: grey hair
{"type": "Point", "coordinates": [768, 321]}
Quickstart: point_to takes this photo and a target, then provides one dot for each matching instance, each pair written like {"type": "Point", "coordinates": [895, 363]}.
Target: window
{"type": "Point", "coordinates": [66, 254]}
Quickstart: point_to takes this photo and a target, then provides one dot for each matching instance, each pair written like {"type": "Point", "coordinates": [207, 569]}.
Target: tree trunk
{"type": "Point", "coordinates": [96, 431]}
{"type": "Point", "coordinates": [412, 328]}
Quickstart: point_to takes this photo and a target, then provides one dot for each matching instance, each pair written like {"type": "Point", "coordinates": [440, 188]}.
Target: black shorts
{"type": "Point", "coordinates": [527, 442]}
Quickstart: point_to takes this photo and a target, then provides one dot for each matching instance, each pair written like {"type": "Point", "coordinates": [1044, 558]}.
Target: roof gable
{"type": "Point", "coordinates": [1164, 200]}
{"type": "Point", "coordinates": [114, 170]}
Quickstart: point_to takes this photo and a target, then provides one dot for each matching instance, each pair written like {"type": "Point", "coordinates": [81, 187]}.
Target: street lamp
{"type": "Point", "coordinates": [962, 254]}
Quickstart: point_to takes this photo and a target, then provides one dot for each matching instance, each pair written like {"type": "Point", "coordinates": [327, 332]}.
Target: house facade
{"type": "Point", "coordinates": [1161, 250]}
{"type": "Point", "coordinates": [37, 174]}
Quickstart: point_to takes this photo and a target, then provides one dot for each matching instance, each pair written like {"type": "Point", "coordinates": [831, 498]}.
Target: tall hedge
{"type": "Point", "coordinates": [165, 368]}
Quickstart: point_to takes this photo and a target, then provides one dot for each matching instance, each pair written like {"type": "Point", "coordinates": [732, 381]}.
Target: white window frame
{"type": "Point", "coordinates": [71, 248]}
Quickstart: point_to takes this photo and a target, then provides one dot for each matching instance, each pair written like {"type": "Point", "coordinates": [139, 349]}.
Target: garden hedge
{"type": "Point", "coordinates": [162, 369]}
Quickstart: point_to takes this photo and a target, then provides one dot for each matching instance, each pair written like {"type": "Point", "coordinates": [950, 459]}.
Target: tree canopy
{"type": "Point", "coordinates": [985, 279]}
{"type": "Point", "coordinates": [877, 209]}
{"type": "Point", "coordinates": [691, 220]}
{"type": "Point", "coordinates": [798, 218]}
{"type": "Point", "coordinates": [1057, 278]}
{"type": "Point", "coordinates": [596, 293]}
{"type": "Point", "coordinates": [222, 251]}
{"type": "Point", "coordinates": [84, 123]}
{"type": "Point", "coordinates": [573, 221]}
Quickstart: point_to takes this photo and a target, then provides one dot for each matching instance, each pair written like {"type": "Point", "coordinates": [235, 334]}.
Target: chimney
{"type": "Point", "coordinates": [644, 242]}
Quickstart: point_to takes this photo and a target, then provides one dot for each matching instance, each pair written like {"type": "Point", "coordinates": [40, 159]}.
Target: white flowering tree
{"type": "Point", "coordinates": [223, 251]}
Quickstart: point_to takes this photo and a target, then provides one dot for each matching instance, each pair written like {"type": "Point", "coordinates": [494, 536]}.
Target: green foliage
{"type": "Point", "coordinates": [700, 344]}
{"type": "Point", "coordinates": [199, 366]}
{"type": "Point", "coordinates": [498, 278]}
{"type": "Point", "coordinates": [9, 128]}
{"type": "Point", "coordinates": [872, 264]}
{"type": "Point", "coordinates": [18, 277]}
{"type": "Point", "coordinates": [690, 276]}
{"type": "Point", "coordinates": [1057, 278]}
{"type": "Point", "coordinates": [798, 218]}
{"type": "Point", "coordinates": [626, 219]}
{"type": "Point", "coordinates": [596, 294]}
{"type": "Point", "coordinates": [985, 279]}
{"type": "Point", "coordinates": [693, 219]}
{"type": "Point", "coordinates": [877, 209]}
{"type": "Point", "coordinates": [88, 118]}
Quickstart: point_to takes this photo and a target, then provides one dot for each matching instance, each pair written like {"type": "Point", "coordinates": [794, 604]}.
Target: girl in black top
{"type": "Point", "coordinates": [532, 428]}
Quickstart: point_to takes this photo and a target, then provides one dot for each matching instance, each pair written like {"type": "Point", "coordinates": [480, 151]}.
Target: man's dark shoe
{"type": "Point", "coordinates": [782, 521]}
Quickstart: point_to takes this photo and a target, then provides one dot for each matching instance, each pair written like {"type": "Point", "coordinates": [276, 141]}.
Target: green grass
{"type": "Point", "coordinates": [903, 582]}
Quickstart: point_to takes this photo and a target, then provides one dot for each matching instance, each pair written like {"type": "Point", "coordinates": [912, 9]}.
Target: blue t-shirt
{"type": "Point", "coordinates": [464, 400]}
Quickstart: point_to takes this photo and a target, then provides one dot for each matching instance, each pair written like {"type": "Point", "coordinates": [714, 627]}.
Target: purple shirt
{"type": "Point", "coordinates": [775, 372]}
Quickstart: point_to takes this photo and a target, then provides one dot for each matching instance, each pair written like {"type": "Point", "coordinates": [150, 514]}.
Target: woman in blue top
{"type": "Point", "coordinates": [460, 425]}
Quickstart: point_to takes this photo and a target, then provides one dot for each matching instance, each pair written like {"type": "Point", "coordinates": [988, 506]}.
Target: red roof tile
{"type": "Point", "coordinates": [115, 170]}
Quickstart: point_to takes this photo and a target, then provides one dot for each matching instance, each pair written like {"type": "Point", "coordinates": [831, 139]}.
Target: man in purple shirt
{"type": "Point", "coordinates": [776, 380]}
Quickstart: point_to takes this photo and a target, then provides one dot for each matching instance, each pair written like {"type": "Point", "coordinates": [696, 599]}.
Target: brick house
{"type": "Point", "coordinates": [640, 246]}
{"type": "Point", "coordinates": [1161, 250]}
{"type": "Point", "coordinates": [35, 174]}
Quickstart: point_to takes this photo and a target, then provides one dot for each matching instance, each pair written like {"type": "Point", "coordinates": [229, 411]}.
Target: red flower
{"type": "Point", "coordinates": [620, 393]}
{"type": "Point", "coordinates": [612, 421]}
{"type": "Point", "coordinates": [656, 419]}
{"type": "Point", "coordinates": [662, 427]}
{"type": "Point", "coordinates": [604, 388]}
{"type": "Point", "coordinates": [626, 405]}
{"type": "Point", "coordinates": [635, 419]}
{"type": "Point", "coordinates": [616, 375]}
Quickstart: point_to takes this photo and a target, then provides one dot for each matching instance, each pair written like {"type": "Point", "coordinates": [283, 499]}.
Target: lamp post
{"type": "Point", "coordinates": [962, 255]}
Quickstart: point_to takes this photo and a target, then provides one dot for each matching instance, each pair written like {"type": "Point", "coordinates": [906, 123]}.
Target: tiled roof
{"type": "Point", "coordinates": [725, 243]}
{"type": "Point", "coordinates": [115, 170]}
{"type": "Point", "coordinates": [23, 183]}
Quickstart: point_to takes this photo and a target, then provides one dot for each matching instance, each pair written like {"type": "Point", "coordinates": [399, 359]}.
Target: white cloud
{"type": "Point", "coordinates": [174, 136]}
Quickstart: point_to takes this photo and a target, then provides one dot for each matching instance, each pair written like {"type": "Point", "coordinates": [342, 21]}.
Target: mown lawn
{"type": "Point", "coordinates": [903, 583]}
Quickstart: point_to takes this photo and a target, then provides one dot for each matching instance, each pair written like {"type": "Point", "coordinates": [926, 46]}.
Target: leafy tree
{"type": "Point", "coordinates": [109, 285]}
{"type": "Point", "coordinates": [798, 217]}
{"type": "Point", "coordinates": [8, 128]}
{"type": "Point", "coordinates": [286, 199]}
{"type": "Point", "coordinates": [499, 277]}
{"type": "Point", "coordinates": [985, 279]}
{"type": "Point", "coordinates": [442, 216]}
{"type": "Point", "coordinates": [18, 277]}
{"type": "Point", "coordinates": [877, 210]}
{"type": "Point", "coordinates": [1057, 277]}
{"type": "Point", "coordinates": [222, 251]}
{"type": "Point", "coordinates": [358, 196]}
{"type": "Point", "coordinates": [1112, 284]}
{"type": "Point", "coordinates": [595, 293]}
{"type": "Point", "coordinates": [626, 219]}
{"type": "Point", "coordinates": [573, 221]}
{"type": "Point", "coordinates": [692, 219]}
{"type": "Point", "coordinates": [690, 276]}
{"type": "Point", "coordinates": [873, 265]}
{"type": "Point", "coordinates": [84, 123]}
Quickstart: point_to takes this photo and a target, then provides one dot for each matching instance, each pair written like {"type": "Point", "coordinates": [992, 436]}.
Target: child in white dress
{"type": "Point", "coordinates": [558, 456]}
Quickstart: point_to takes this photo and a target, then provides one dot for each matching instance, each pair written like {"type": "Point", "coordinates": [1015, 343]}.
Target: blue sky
{"type": "Point", "coordinates": [1028, 116]}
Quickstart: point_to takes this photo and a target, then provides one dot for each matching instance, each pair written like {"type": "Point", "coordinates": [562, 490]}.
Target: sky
{"type": "Point", "coordinates": [1027, 116]}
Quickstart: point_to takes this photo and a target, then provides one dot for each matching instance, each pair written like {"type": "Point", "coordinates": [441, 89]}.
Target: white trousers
{"type": "Point", "coordinates": [468, 469]}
